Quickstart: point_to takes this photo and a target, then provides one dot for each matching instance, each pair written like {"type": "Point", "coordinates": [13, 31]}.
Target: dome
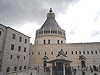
{"type": "Point", "coordinates": [50, 21]}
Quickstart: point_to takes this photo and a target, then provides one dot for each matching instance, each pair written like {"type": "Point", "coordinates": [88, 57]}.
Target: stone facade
{"type": "Point", "coordinates": [72, 50]}
{"type": "Point", "coordinates": [13, 44]}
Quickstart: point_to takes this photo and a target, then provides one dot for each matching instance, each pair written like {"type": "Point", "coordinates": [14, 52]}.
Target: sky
{"type": "Point", "coordinates": [79, 18]}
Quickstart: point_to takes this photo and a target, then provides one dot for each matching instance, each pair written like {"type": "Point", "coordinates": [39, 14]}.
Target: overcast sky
{"type": "Point", "coordinates": [79, 18]}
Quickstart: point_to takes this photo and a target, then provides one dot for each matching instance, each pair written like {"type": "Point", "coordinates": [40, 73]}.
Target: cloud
{"type": "Point", "coordinates": [19, 12]}
{"type": "Point", "coordinates": [73, 31]}
{"type": "Point", "coordinates": [94, 33]}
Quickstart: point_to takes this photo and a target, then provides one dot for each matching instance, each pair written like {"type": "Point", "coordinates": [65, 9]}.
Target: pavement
{"type": "Point", "coordinates": [35, 72]}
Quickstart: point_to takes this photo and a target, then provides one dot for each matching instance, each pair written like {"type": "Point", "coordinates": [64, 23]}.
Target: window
{"type": "Point", "coordinates": [44, 42]}
{"type": "Point", "coordinates": [76, 52]}
{"type": "Point", "coordinates": [11, 56]}
{"type": "Point", "coordinates": [15, 68]}
{"type": "Point", "coordinates": [79, 52]}
{"type": "Point", "coordinates": [25, 40]}
{"type": "Point", "coordinates": [91, 52]}
{"type": "Point", "coordinates": [12, 46]}
{"type": "Point", "coordinates": [14, 35]}
{"type": "Point", "coordinates": [20, 67]}
{"type": "Point", "coordinates": [66, 52]}
{"type": "Point", "coordinates": [24, 67]}
{"type": "Point", "coordinates": [51, 53]}
{"type": "Point", "coordinates": [58, 41]}
{"type": "Point", "coordinates": [61, 42]}
{"type": "Point", "coordinates": [95, 52]}
{"type": "Point", "coordinates": [19, 48]}
{"type": "Point", "coordinates": [20, 39]}
{"type": "Point", "coordinates": [24, 49]}
{"type": "Point", "coordinates": [72, 52]}
{"type": "Point", "coordinates": [49, 41]}
{"type": "Point", "coordinates": [83, 52]}
{"type": "Point", "coordinates": [0, 33]}
{"type": "Point", "coordinates": [38, 53]}
{"type": "Point", "coordinates": [24, 57]}
{"type": "Point", "coordinates": [8, 69]}
{"type": "Point", "coordinates": [87, 52]}
{"type": "Point", "coordinates": [45, 53]}
{"type": "Point", "coordinates": [32, 53]}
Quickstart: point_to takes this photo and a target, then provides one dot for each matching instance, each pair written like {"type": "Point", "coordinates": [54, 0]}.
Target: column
{"type": "Point", "coordinates": [63, 69]}
{"type": "Point", "coordinates": [51, 69]}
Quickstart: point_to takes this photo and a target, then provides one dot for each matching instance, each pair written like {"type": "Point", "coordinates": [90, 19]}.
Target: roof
{"type": "Point", "coordinates": [61, 53]}
{"type": "Point", "coordinates": [60, 60]}
{"type": "Point", "coordinates": [50, 21]}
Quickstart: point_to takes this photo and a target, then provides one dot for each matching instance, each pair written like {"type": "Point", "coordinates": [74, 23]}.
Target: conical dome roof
{"type": "Point", "coordinates": [50, 21]}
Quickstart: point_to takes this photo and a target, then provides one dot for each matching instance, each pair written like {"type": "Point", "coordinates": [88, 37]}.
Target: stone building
{"type": "Point", "coordinates": [14, 50]}
{"type": "Point", "coordinates": [50, 39]}
{"type": "Point", "coordinates": [50, 42]}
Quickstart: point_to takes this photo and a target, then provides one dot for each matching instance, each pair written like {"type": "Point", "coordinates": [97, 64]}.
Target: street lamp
{"type": "Point", "coordinates": [17, 64]}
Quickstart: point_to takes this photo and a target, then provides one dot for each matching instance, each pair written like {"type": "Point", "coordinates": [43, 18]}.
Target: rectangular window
{"type": "Point", "coordinates": [20, 39]}
{"type": "Point", "coordinates": [87, 52]}
{"type": "Point", "coordinates": [32, 53]}
{"type": "Point", "coordinates": [24, 57]}
{"type": "Point", "coordinates": [25, 40]}
{"type": "Point", "coordinates": [91, 52]}
{"type": "Point", "coordinates": [0, 33]}
{"type": "Point", "coordinates": [49, 41]}
{"type": "Point", "coordinates": [72, 52]}
{"type": "Point", "coordinates": [79, 52]}
{"type": "Point", "coordinates": [19, 48]}
{"type": "Point", "coordinates": [12, 46]}
{"type": "Point", "coordinates": [11, 56]}
{"type": "Point", "coordinates": [38, 53]}
{"type": "Point", "coordinates": [83, 52]}
{"type": "Point", "coordinates": [95, 52]}
{"type": "Point", "coordinates": [76, 52]}
{"type": "Point", "coordinates": [24, 49]}
{"type": "Point", "coordinates": [14, 36]}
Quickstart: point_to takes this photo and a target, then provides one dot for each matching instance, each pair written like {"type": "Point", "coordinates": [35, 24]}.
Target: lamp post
{"type": "Point", "coordinates": [17, 64]}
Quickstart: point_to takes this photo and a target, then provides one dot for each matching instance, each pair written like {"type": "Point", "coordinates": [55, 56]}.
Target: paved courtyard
{"type": "Point", "coordinates": [35, 72]}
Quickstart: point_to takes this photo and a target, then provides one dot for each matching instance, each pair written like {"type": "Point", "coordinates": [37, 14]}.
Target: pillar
{"type": "Point", "coordinates": [63, 69]}
{"type": "Point", "coordinates": [51, 69]}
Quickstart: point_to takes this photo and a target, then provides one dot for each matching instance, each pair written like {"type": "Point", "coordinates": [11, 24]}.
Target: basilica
{"type": "Point", "coordinates": [49, 50]}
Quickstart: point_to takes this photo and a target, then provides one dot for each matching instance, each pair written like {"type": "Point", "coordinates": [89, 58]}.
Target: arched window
{"type": "Point", "coordinates": [61, 42]}
{"type": "Point", "coordinates": [15, 68]}
{"type": "Point", "coordinates": [66, 52]}
{"type": "Point", "coordinates": [8, 69]}
{"type": "Point", "coordinates": [44, 42]}
{"type": "Point", "coordinates": [45, 53]}
{"type": "Point", "coordinates": [51, 53]}
{"type": "Point", "coordinates": [58, 41]}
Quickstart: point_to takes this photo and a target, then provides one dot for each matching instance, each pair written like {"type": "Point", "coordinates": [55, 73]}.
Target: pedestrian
{"type": "Point", "coordinates": [95, 74]}
{"type": "Point", "coordinates": [83, 73]}
{"type": "Point", "coordinates": [86, 68]}
{"type": "Point", "coordinates": [91, 70]}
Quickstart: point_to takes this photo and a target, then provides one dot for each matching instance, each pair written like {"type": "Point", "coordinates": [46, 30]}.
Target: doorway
{"type": "Point", "coordinates": [83, 64]}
